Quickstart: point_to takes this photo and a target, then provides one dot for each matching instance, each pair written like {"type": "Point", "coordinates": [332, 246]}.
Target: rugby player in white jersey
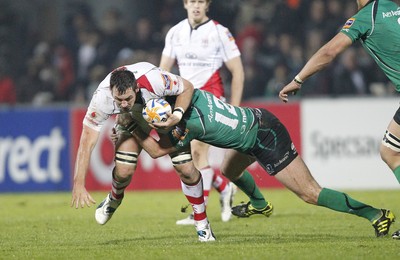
{"type": "Point", "coordinates": [201, 46]}
{"type": "Point", "coordinates": [123, 92]}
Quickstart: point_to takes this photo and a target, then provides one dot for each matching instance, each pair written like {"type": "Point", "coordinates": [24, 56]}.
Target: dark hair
{"type": "Point", "coordinates": [122, 80]}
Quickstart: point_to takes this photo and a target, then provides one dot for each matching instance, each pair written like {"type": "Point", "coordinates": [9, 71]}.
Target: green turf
{"type": "Point", "coordinates": [43, 226]}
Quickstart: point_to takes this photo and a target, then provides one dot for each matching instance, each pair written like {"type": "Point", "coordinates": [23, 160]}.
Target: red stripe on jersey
{"type": "Point", "coordinates": [143, 82]}
{"type": "Point", "coordinates": [214, 85]}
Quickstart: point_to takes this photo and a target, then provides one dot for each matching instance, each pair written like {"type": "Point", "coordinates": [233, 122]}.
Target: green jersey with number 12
{"type": "Point", "coordinates": [213, 121]}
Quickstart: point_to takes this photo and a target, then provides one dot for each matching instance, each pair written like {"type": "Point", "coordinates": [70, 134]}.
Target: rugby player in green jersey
{"type": "Point", "coordinates": [251, 135]}
{"type": "Point", "coordinates": [377, 26]}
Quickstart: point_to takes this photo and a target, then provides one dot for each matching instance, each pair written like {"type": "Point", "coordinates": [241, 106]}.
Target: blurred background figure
{"type": "Point", "coordinates": [200, 47]}
{"type": "Point", "coordinates": [82, 35]}
{"type": "Point", "coordinates": [8, 91]}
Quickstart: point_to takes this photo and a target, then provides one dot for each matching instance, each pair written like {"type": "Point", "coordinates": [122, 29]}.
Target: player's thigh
{"type": "Point", "coordinates": [184, 166]}
{"type": "Point", "coordinates": [127, 143]}
{"type": "Point", "coordinates": [235, 163]}
{"type": "Point", "coordinates": [394, 128]}
{"type": "Point", "coordinates": [200, 153]}
{"type": "Point", "coordinates": [198, 146]}
{"type": "Point", "coordinates": [297, 178]}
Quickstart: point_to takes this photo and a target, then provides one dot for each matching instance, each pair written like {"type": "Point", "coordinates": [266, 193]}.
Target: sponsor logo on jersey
{"type": "Point", "coordinates": [190, 55]}
{"type": "Point", "coordinates": [270, 169]}
{"type": "Point", "coordinates": [179, 133]}
{"type": "Point", "coordinates": [349, 23]}
{"type": "Point", "coordinates": [168, 82]}
{"type": "Point", "coordinates": [282, 160]}
{"type": "Point", "coordinates": [391, 13]}
{"type": "Point", "coordinates": [230, 36]}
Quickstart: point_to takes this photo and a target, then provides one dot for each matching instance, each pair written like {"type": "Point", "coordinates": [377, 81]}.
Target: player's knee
{"type": "Point", "coordinates": [383, 151]}
{"type": "Point", "coordinates": [228, 174]}
{"type": "Point", "coordinates": [180, 158]}
{"type": "Point", "coordinates": [390, 148]}
{"type": "Point", "coordinates": [196, 155]}
{"type": "Point", "coordinates": [123, 172]}
{"type": "Point", "coordinates": [125, 164]}
{"type": "Point", "coordinates": [187, 172]}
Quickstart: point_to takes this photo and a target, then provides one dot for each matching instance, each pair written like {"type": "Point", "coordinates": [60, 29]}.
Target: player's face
{"type": "Point", "coordinates": [124, 101]}
{"type": "Point", "coordinates": [196, 10]}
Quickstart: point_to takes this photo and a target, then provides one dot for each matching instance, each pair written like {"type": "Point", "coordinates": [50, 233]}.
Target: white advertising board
{"type": "Point", "coordinates": [341, 138]}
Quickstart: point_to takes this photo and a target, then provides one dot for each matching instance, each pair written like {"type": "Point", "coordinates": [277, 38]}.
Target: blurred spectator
{"type": "Point", "coordinates": [79, 18]}
{"type": "Point", "coordinates": [348, 78]}
{"type": "Point", "coordinates": [333, 18]}
{"type": "Point", "coordinates": [113, 37]}
{"type": "Point", "coordinates": [89, 40]}
{"type": "Point", "coordinates": [254, 72]}
{"type": "Point", "coordinates": [252, 30]}
{"type": "Point", "coordinates": [171, 12]}
{"type": "Point", "coordinates": [96, 75]}
{"type": "Point", "coordinates": [7, 87]}
{"type": "Point", "coordinates": [277, 81]}
{"type": "Point", "coordinates": [268, 33]}
{"type": "Point", "coordinates": [63, 62]}
{"type": "Point", "coordinates": [144, 37]}
{"type": "Point", "coordinates": [249, 10]}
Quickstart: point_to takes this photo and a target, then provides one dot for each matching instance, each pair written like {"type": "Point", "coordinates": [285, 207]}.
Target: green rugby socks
{"type": "Point", "coordinates": [247, 184]}
{"type": "Point", "coordinates": [397, 173]}
{"type": "Point", "coordinates": [342, 202]}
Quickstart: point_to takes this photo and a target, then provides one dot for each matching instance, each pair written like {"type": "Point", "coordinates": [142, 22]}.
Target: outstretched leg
{"type": "Point", "coordinates": [297, 178]}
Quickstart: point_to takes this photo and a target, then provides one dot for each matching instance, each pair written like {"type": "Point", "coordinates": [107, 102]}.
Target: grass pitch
{"type": "Point", "coordinates": [43, 226]}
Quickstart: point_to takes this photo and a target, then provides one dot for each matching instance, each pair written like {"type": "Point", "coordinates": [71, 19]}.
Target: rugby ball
{"type": "Point", "coordinates": [156, 110]}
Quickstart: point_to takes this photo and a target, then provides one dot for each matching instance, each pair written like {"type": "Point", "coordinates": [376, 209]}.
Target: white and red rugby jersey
{"type": "Point", "coordinates": [201, 52]}
{"type": "Point", "coordinates": [153, 83]}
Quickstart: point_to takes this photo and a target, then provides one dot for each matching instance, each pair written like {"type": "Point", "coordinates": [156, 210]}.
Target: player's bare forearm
{"type": "Point", "coordinates": [166, 63]}
{"type": "Point", "coordinates": [235, 66]}
{"type": "Point", "coordinates": [183, 100]}
{"type": "Point", "coordinates": [237, 92]}
{"type": "Point", "coordinates": [325, 55]}
{"type": "Point", "coordinates": [80, 196]}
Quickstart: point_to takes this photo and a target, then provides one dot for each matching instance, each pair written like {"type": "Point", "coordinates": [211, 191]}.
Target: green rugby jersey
{"type": "Point", "coordinates": [213, 121]}
{"type": "Point", "coordinates": [377, 25]}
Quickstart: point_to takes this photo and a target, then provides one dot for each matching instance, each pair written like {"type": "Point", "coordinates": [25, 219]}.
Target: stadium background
{"type": "Point", "coordinates": [53, 54]}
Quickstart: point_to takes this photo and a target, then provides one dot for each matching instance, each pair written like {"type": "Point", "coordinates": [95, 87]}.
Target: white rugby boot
{"type": "Point", "coordinates": [106, 209]}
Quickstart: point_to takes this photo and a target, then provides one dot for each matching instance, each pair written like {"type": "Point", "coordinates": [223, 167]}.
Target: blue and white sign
{"type": "Point", "coordinates": [34, 150]}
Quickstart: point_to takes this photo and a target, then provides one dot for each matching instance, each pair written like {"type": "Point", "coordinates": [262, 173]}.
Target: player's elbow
{"type": "Point", "coordinates": [330, 54]}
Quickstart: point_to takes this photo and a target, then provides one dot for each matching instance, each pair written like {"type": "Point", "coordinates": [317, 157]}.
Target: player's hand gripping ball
{"type": "Point", "coordinates": [156, 110]}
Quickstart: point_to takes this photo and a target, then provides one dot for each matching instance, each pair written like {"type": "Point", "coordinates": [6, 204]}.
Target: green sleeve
{"type": "Point", "coordinates": [359, 25]}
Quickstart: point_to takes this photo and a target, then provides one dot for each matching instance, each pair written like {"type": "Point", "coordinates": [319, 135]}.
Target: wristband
{"type": "Point", "coordinates": [298, 80]}
{"type": "Point", "coordinates": [178, 112]}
